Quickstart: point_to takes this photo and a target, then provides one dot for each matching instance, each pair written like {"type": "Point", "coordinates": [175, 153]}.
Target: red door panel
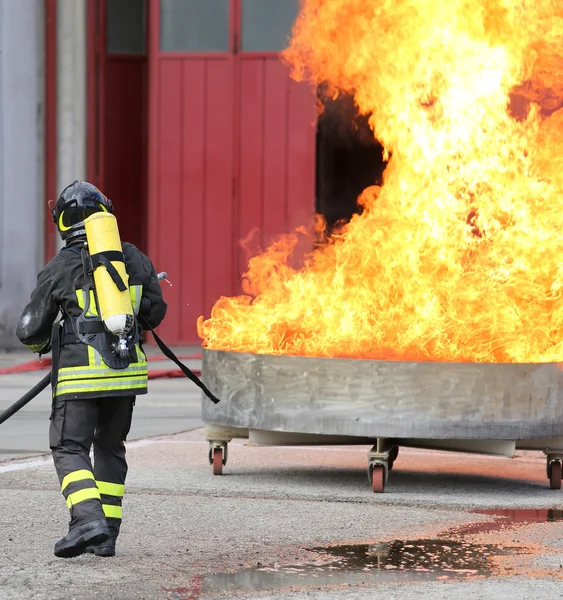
{"type": "Point", "coordinates": [165, 249]}
{"type": "Point", "coordinates": [232, 142]}
{"type": "Point", "coordinates": [192, 214]}
{"type": "Point", "coordinates": [277, 152]}
{"type": "Point", "coordinates": [124, 156]}
{"type": "Point", "coordinates": [219, 249]}
{"type": "Point", "coordinates": [118, 110]}
{"type": "Point", "coordinates": [276, 84]}
{"type": "Point", "coordinates": [206, 205]}
{"type": "Point", "coordinates": [251, 158]}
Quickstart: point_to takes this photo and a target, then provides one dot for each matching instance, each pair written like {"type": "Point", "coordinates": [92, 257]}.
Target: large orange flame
{"type": "Point", "coordinates": [459, 255]}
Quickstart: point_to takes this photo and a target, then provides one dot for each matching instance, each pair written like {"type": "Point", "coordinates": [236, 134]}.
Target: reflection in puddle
{"type": "Point", "coordinates": [510, 517]}
{"type": "Point", "coordinates": [525, 515]}
{"type": "Point", "coordinates": [436, 559]}
{"type": "Point", "coordinates": [407, 560]}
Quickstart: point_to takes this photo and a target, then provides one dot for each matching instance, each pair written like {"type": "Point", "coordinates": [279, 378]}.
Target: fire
{"type": "Point", "coordinates": [459, 255]}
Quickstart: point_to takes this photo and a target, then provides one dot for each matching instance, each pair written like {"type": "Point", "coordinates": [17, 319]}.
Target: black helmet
{"type": "Point", "coordinates": [77, 202]}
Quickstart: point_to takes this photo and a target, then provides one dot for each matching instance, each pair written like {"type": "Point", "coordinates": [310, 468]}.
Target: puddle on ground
{"type": "Point", "coordinates": [525, 515]}
{"type": "Point", "coordinates": [407, 561]}
{"type": "Point", "coordinates": [510, 517]}
{"type": "Point", "coordinates": [357, 564]}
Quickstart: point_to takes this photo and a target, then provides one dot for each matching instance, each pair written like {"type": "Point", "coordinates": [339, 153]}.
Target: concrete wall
{"type": "Point", "coordinates": [71, 92]}
{"type": "Point", "coordinates": [21, 130]}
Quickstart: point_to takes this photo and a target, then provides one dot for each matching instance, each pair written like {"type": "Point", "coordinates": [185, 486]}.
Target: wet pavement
{"type": "Point", "coordinates": [411, 561]}
{"type": "Point", "coordinates": [294, 523]}
{"type": "Point", "coordinates": [405, 560]}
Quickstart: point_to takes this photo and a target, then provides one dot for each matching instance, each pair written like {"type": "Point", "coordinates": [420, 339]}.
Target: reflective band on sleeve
{"type": "Point", "coordinates": [80, 475]}
{"type": "Point", "coordinates": [112, 512]}
{"type": "Point", "coordinates": [111, 489]}
{"type": "Point", "coordinates": [82, 495]}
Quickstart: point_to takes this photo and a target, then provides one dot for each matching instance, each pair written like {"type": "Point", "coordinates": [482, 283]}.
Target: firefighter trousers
{"type": "Point", "coordinates": [96, 492]}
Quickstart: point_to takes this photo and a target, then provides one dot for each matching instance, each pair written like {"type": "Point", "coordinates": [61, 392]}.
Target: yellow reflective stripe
{"type": "Point", "coordinates": [80, 475]}
{"type": "Point", "coordinates": [77, 388]}
{"type": "Point", "coordinates": [85, 387]}
{"type": "Point", "coordinates": [91, 360]}
{"type": "Point", "coordinates": [93, 312]}
{"type": "Point", "coordinates": [136, 292]}
{"type": "Point", "coordinates": [94, 379]}
{"type": "Point", "coordinates": [95, 369]}
{"type": "Point", "coordinates": [95, 359]}
{"type": "Point", "coordinates": [111, 489]}
{"type": "Point", "coordinates": [102, 371]}
{"type": "Point", "coordinates": [82, 495]}
{"type": "Point", "coordinates": [38, 347]}
{"type": "Point", "coordinates": [62, 226]}
{"type": "Point", "coordinates": [97, 380]}
{"type": "Point", "coordinates": [112, 512]}
{"type": "Point", "coordinates": [80, 298]}
{"type": "Point", "coordinates": [82, 302]}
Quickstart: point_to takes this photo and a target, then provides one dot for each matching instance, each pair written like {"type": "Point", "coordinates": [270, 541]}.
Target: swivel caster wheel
{"type": "Point", "coordinates": [218, 458]}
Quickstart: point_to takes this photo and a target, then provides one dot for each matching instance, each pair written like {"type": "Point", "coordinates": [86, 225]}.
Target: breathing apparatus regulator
{"type": "Point", "coordinates": [82, 210]}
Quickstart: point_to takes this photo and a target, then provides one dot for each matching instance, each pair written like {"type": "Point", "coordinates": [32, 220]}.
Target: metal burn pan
{"type": "Point", "coordinates": [476, 407]}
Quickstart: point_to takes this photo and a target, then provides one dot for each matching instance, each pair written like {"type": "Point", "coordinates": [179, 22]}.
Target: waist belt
{"type": "Point", "coordinates": [69, 335]}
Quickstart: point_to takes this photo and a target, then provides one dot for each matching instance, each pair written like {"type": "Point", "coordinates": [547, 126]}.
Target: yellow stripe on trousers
{"type": "Point", "coordinates": [82, 495]}
{"type": "Point", "coordinates": [111, 489]}
{"type": "Point", "coordinates": [112, 512]}
{"type": "Point", "coordinates": [79, 475]}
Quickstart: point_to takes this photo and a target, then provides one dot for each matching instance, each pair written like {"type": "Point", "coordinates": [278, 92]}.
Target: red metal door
{"type": "Point", "coordinates": [276, 128]}
{"type": "Point", "coordinates": [231, 146]}
{"type": "Point", "coordinates": [191, 156]}
{"type": "Point", "coordinates": [118, 110]}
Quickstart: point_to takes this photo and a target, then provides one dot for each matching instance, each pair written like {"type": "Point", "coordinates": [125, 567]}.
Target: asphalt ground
{"type": "Point", "coordinates": [183, 526]}
{"type": "Point", "coordinates": [188, 534]}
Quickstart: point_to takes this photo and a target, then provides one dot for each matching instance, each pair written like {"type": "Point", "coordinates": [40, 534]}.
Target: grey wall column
{"type": "Point", "coordinates": [21, 101]}
{"type": "Point", "coordinates": [71, 91]}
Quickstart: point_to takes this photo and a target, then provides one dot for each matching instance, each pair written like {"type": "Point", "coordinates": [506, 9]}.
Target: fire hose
{"type": "Point", "coordinates": [46, 381]}
{"type": "Point", "coordinates": [27, 397]}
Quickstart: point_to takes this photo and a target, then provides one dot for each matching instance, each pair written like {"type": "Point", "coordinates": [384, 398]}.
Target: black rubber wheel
{"type": "Point", "coordinates": [555, 475]}
{"type": "Point", "coordinates": [393, 453]}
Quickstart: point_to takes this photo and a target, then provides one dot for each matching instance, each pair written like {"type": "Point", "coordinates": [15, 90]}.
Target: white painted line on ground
{"type": "Point", "coordinates": [28, 463]}
{"type": "Point", "coordinates": [139, 443]}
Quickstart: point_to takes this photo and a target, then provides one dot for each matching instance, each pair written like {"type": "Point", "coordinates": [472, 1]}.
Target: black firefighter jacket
{"type": "Point", "coordinates": [81, 371]}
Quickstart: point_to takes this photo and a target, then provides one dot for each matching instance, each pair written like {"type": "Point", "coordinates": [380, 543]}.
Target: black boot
{"type": "Point", "coordinates": [106, 548]}
{"type": "Point", "coordinates": [79, 538]}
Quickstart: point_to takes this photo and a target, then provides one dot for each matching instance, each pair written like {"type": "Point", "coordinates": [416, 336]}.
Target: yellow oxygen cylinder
{"type": "Point", "coordinates": [116, 310]}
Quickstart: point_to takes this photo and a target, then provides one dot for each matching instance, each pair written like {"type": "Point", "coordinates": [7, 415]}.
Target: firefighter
{"type": "Point", "coordinates": [95, 377]}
